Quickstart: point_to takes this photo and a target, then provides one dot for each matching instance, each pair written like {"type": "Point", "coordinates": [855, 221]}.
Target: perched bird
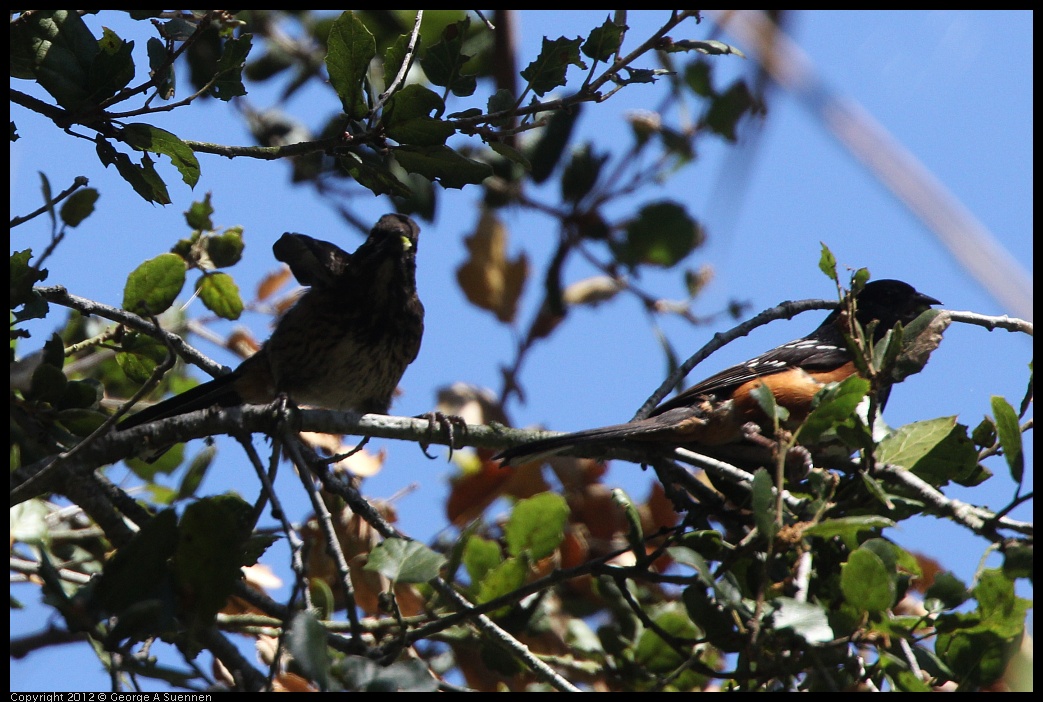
{"type": "Point", "coordinates": [346, 342]}
{"type": "Point", "coordinates": [715, 411]}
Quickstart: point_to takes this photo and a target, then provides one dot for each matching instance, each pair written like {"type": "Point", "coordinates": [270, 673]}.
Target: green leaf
{"type": "Point", "coordinates": [662, 234]}
{"type": "Point", "coordinates": [697, 77]}
{"type": "Point", "coordinates": [833, 405]}
{"type": "Point", "coordinates": [195, 473]}
{"type": "Point", "coordinates": [553, 139]}
{"type": "Point", "coordinates": [511, 154]}
{"type": "Point", "coordinates": [848, 529]}
{"type": "Point", "coordinates": [22, 279]}
{"type": "Point", "coordinates": [866, 581]}
{"type": "Point", "coordinates": [364, 675]}
{"type": "Point", "coordinates": [635, 534]}
{"type": "Point", "coordinates": [978, 645]}
{"type": "Point", "coordinates": [807, 620]}
{"type": "Point", "coordinates": [501, 580]}
{"type": "Point", "coordinates": [220, 294]}
{"type": "Point", "coordinates": [228, 81]}
{"type": "Point", "coordinates": [937, 450]}
{"type": "Point", "coordinates": [350, 49]}
{"type": "Point", "coordinates": [827, 263]}
{"type": "Point", "coordinates": [374, 175]}
{"type": "Point", "coordinates": [442, 164]}
{"type": "Point", "coordinates": [581, 173]}
{"type": "Point", "coordinates": [480, 556]}
{"type": "Point", "coordinates": [407, 117]}
{"type": "Point", "coordinates": [139, 356]}
{"type": "Point", "coordinates": [144, 179]}
{"type": "Point", "coordinates": [1009, 432]}
{"type": "Point", "coordinates": [153, 286]}
{"type": "Point", "coordinates": [47, 384]}
{"type": "Point", "coordinates": [226, 249]}
{"type": "Point", "coordinates": [728, 108]}
{"type": "Point", "coordinates": [57, 48]}
{"type": "Point", "coordinates": [536, 525]}
{"type": "Point", "coordinates": [157, 56]}
{"type": "Point", "coordinates": [919, 339]}
{"type": "Point", "coordinates": [711, 47]}
{"type": "Point", "coordinates": [112, 68]}
{"type": "Point", "coordinates": [502, 99]}
{"type": "Point", "coordinates": [140, 570]}
{"type": "Point", "coordinates": [719, 625]}
{"type": "Point", "coordinates": [763, 502]}
{"type": "Point", "coordinates": [306, 642]}
{"type": "Point", "coordinates": [766, 401]}
{"type": "Point", "coordinates": [443, 63]}
{"type": "Point", "coordinates": [604, 41]}
{"type": "Point", "coordinates": [198, 214]}
{"type": "Point", "coordinates": [210, 554]}
{"type": "Point", "coordinates": [79, 206]}
{"type": "Point", "coordinates": [395, 55]}
{"type": "Point", "coordinates": [403, 561]}
{"type": "Point", "coordinates": [948, 589]}
{"type": "Point", "coordinates": [656, 655]}
{"type": "Point", "coordinates": [148, 138]}
{"type": "Point", "coordinates": [81, 422]}
{"type": "Point", "coordinates": [29, 522]}
{"type": "Point", "coordinates": [548, 70]}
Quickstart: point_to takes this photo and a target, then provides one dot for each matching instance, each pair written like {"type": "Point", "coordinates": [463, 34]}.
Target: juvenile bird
{"type": "Point", "coordinates": [346, 342]}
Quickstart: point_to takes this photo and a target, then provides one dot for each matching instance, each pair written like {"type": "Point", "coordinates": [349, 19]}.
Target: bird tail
{"type": "Point", "coordinates": [643, 429]}
{"type": "Point", "coordinates": [219, 391]}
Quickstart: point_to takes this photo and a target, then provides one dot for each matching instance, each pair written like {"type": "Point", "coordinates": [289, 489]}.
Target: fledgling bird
{"type": "Point", "coordinates": [346, 342]}
{"type": "Point", "coordinates": [716, 411]}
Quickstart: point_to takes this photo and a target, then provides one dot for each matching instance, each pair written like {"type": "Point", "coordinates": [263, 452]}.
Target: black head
{"type": "Point", "coordinates": [890, 302]}
{"type": "Point", "coordinates": [393, 234]}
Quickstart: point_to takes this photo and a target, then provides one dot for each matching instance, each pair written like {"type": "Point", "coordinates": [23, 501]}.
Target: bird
{"type": "Point", "coordinates": [719, 409]}
{"type": "Point", "coordinates": [345, 343]}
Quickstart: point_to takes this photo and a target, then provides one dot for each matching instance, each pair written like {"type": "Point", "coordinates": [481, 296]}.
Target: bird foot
{"type": "Point", "coordinates": [453, 425]}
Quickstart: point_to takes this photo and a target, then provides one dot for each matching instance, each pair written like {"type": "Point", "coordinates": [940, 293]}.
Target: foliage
{"type": "Point", "coordinates": [770, 573]}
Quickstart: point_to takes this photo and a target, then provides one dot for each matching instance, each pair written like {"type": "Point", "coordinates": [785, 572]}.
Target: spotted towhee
{"type": "Point", "coordinates": [717, 410]}
{"type": "Point", "coordinates": [346, 342]}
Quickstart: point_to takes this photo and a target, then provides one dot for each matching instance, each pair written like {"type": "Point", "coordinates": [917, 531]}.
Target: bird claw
{"type": "Point", "coordinates": [340, 457]}
{"type": "Point", "coordinates": [453, 425]}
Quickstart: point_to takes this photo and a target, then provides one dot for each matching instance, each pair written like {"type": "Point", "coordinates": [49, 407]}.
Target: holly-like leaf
{"type": "Point", "coordinates": [148, 138]}
{"type": "Point", "coordinates": [112, 67]}
{"type": "Point", "coordinates": [443, 63]}
{"type": "Point", "coordinates": [604, 41]}
{"type": "Point", "coordinates": [408, 119]}
{"type": "Point", "coordinates": [937, 450]}
{"type": "Point", "coordinates": [229, 76]}
{"type": "Point", "coordinates": [548, 70]}
{"type": "Point", "coordinates": [350, 49]}
{"type": "Point", "coordinates": [442, 164]}
{"type": "Point", "coordinates": [57, 49]}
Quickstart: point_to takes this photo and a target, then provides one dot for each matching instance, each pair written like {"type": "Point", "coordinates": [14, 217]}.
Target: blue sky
{"type": "Point", "coordinates": [954, 88]}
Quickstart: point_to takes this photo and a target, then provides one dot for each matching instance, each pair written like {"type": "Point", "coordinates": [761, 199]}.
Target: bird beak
{"type": "Point", "coordinates": [927, 299]}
